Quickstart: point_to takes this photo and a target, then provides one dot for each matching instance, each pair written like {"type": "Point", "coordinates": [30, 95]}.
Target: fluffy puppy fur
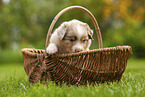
{"type": "Point", "coordinates": [69, 37]}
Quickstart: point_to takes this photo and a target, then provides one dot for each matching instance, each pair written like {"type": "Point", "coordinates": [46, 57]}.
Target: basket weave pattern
{"type": "Point", "coordinates": [94, 66]}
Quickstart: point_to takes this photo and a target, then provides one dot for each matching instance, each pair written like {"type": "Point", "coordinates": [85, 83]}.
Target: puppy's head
{"type": "Point", "coordinates": [75, 36]}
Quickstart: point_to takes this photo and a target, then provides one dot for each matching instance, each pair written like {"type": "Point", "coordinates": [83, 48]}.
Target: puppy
{"type": "Point", "coordinates": [70, 37]}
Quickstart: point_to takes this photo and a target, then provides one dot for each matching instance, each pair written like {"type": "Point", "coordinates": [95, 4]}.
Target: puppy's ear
{"type": "Point", "coordinates": [61, 31]}
{"type": "Point", "coordinates": [90, 32]}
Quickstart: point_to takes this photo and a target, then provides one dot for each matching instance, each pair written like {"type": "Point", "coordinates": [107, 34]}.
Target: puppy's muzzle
{"type": "Point", "coordinates": [78, 47]}
{"type": "Point", "coordinates": [78, 50]}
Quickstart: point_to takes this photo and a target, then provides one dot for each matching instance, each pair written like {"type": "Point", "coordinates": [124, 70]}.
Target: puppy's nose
{"type": "Point", "coordinates": [78, 50]}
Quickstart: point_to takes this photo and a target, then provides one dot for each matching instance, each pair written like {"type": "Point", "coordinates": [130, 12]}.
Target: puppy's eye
{"type": "Point", "coordinates": [72, 40]}
{"type": "Point", "coordinates": [85, 40]}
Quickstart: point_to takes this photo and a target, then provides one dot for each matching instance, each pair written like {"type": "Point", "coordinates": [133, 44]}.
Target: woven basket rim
{"type": "Point", "coordinates": [97, 50]}
{"type": "Point", "coordinates": [29, 51]}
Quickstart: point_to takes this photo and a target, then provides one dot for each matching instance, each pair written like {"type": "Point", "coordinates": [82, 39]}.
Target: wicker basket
{"type": "Point", "coordinates": [94, 66]}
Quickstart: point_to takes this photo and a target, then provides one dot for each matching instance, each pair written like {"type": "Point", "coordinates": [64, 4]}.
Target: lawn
{"type": "Point", "coordinates": [14, 83]}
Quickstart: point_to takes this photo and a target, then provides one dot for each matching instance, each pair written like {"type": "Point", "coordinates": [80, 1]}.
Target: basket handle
{"type": "Point", "coordinates": [70, 8]}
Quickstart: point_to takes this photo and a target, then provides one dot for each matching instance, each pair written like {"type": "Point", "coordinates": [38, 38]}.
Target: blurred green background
{"type": "Point", "coordinates": [24, 24]}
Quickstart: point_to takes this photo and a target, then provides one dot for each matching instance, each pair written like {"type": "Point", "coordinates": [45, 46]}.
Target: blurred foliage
{"type": "Point", "coordinates": [24, 23]}
{"type": "Point", "coordinates": [133, 34]}
{"type": "Point", "coordinates": [127, 24]}
{"type": "Point", "coordinates": [9, 57]}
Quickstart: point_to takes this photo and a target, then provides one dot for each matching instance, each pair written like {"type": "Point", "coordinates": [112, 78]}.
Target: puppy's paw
{"type": "Point", "coordinates": [51, 49]}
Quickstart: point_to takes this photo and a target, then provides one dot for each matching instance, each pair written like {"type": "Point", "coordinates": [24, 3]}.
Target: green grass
{"type": "Point", "coordinates": [14, 83]}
